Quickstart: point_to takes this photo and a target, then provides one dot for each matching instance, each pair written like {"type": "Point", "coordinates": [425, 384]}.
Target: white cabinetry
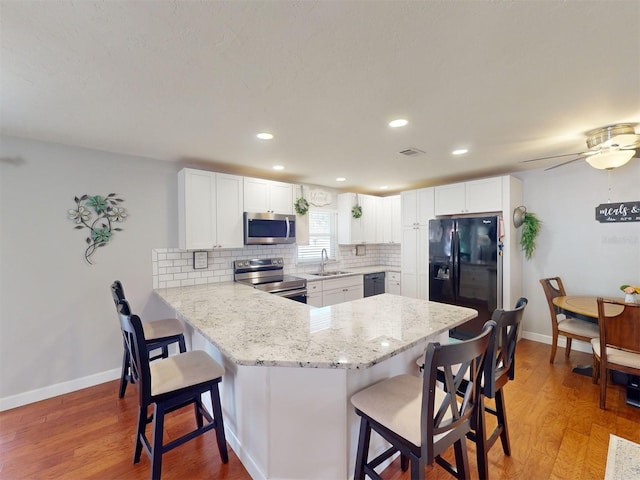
{"type": "Point", "coordinates": [477, 196]}
{"type": "Point", "coordinates": [417, 210]}
{"type": "Point", "coordinates": [267, 196]}
{"type": "Point", "coordinates": [392, 283]}
{"type": "Point", "coordinates": [357, 230]}
{"type": "Point", "coordinates": [391, 219]}
{"type": "Point", "coordinates": [209, 210]}
{"type": "Point", "coordinates": [314, 294]}
{"type": "Point", "coordinates": [343, 289]}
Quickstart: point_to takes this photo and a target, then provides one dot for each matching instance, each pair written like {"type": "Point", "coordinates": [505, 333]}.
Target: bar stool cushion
{"type": "Point", "coordinates": [167, 327]}
{"type": "Point", "coordinates": [396, 403]}
{"type": "Point", "coordinates": [181, 371]}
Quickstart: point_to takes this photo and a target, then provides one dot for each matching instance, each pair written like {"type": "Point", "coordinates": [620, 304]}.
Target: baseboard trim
{"type": "Point", "coordinates": [51, 391]}
{"type": "Point", "coordinates": [562, 341]}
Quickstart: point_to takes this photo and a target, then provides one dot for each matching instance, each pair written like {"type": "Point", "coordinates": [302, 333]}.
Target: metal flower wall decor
{"type": "Point", "coordinates": [98, 214]}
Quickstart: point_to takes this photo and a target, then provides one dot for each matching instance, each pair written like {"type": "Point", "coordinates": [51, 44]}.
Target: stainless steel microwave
{"type": "Point", "coordinates": [269, 228]}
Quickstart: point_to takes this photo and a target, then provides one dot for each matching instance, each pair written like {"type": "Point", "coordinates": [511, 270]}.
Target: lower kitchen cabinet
{"type": "Point", "coordinates": [392, 283]}
{"type": "Point", "coordinates": [314, 294]}
{"type": "Point", "coordinates": [335, 290]}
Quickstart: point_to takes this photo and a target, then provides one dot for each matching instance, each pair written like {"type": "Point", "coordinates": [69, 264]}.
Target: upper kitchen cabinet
{"type": "Point", "coordinates": [268, 196]}
{"type": "Point", "coordinates": [209, 210]}
{"type": "Point", "coordinates": [390, 219]}
{"type": "Point", "coordinates": [477, 196]}
{"type": "Point", "coordinates": [417, 207]}
{"type": "Point", "coordinates": [357, 230]}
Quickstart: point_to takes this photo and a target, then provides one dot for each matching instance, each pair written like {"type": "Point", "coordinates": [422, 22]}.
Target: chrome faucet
{"type": "Point", "coordinates": [323, 255]}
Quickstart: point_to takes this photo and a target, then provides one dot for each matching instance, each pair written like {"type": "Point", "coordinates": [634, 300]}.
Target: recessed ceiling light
{"type": "Point", "coordinates": [384, 187]}
{"type": "Point", "coordinates": [460, 151]}
{"type": "Point", "coordinates": [400, 122]}
{"type": "Point", "coordinates": [264, 136]}
{"type": "Point", "coordinates": [278, 167]}
{"type": "Point", "coordinates": [340, 179]}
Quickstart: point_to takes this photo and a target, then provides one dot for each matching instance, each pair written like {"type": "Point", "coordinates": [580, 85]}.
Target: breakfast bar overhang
{"type": "Point", "coordinates": [291, 368]}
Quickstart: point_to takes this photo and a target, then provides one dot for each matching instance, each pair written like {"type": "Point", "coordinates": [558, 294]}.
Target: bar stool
{"type": "Point", "coordinates": [421, 417]}
{"type": "Point", "coordinates": [170, 384]}
{"type": "Point", "coordinates": [159, 334]}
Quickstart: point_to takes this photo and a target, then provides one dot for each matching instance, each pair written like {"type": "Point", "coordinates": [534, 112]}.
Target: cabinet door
{"type": "Point", "coordinates": [417, 206]}
{"type": "Point", "coordinates": [256, 195]}
{"type": "Point", "coordinates": [314, 299]}
{"type": "Point", "coordinates": [450, 199]}
{"type": "Point", "coordinates": [332, 297]}
{"type": "Point", "coordinates": [353, 293]}
{"type": "Point", "coordinates": [409, 263]}
{"type": "Point", "coordinates": [281, 198]}
{"type": "Point", "coordinates": [484, 195]}
{"type": "Point", "coordinates": [196, 209]}
{"type": "Point", "coordinates": [369, 218]}
{"type": "Point", "coordinates": [390, 219]}
{"type": "Point", "coordinates": [349, 228]}
{"type": "Point", "coordinates": [229, 199]}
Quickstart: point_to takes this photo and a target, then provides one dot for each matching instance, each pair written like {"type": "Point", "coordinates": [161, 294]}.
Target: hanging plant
{"type": "Point", "coordinates": [301, 205]}
{"type": "Point", "coordinates": [356, 211]}
{"type": "Point", "coordinates": [530, 229]}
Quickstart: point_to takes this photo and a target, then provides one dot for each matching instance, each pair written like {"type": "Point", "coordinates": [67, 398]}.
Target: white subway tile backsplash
{"type": "Point", "coordinates": [172, 267]}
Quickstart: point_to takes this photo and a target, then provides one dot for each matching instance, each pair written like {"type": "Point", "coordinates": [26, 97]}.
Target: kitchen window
{"type": "Point", "coordinates": [322, 234]}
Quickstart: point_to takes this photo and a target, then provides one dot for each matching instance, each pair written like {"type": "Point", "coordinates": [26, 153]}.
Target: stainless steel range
{"type": "Point", "coordinates": [267, 274]}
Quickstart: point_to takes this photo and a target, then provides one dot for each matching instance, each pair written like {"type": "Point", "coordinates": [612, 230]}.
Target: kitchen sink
{"type": "Point", "coordinates": [328, 274]}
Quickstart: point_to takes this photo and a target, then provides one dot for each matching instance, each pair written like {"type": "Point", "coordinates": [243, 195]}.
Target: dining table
{"type": "Point", "coordinates": [586, 308]}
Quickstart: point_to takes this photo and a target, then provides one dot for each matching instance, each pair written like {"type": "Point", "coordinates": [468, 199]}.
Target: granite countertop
{"type": "Point", "coordinates": [252, 327]}
{"type": "Point", "coordinates": [349, 271]}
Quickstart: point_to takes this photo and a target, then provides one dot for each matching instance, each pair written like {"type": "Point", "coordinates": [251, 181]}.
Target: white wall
{"type": "Point", "coordinates": [591, 258]}
{"type": "Point", "coordinates": [57, 320]}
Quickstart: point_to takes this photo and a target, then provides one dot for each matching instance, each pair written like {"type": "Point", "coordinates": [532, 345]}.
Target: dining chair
{"type": "Point", "coordinates": [618, 347]}
{"type": "Point", "coordinates": [159, 334]}
{"type": "Point", "coordinates": [568, 327]}
{"type": "Point", "coordinates": [170, 384]}
{"type": "Point", "coordinates": [421, 417]}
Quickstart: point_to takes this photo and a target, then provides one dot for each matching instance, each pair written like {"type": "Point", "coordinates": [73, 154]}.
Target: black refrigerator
{"type": "Point", "coordinates": [465, 267]}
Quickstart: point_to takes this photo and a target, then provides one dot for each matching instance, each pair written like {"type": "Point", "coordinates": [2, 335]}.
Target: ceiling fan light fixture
{"type": "Point", "coordinates": [609, 160]}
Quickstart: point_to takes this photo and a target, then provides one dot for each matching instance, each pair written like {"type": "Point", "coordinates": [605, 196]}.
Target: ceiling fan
{"type": "Point", "coordinates": [608, 147]}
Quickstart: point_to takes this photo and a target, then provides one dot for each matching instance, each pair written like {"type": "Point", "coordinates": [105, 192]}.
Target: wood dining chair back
{"type": "Point", "coordinates": [169, 384]}
{"type": "Point", "coordinates": [618, 347]}
{"type": "Point", "coordinates": [569, 327]}
{"type": "Point", "coordinates": [499, 369]}
{"type": "Point", "coordinates": [422, 417]}
{"type": "Point", "coordinates": [159, 334]}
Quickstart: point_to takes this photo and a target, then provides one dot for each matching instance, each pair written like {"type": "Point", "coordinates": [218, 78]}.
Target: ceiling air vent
{"type": "Point", "coordinates": [411, 152]}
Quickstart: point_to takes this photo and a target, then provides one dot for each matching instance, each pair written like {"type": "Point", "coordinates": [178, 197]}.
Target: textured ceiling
{"type": "Point", "coordinates": [195, 81]}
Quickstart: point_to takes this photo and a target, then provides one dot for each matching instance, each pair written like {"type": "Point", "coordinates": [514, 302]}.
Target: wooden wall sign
{"type": "Point", "coordinates": [618, 212]}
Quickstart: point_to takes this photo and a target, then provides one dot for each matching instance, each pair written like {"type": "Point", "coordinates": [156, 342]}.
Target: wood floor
{"type": "Point", "coordinates": [557, 431]}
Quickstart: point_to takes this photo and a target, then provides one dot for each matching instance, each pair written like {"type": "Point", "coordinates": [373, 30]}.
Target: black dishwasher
{"type": "Point", "coordinates": [373, 284]}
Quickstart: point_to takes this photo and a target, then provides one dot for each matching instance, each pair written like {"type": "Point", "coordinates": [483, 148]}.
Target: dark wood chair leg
{"type": "Point", "coordinates": [417, 468]}
{"type": "Point", "coordinates": [462, 461]}
{"type": "Point", "coordinates": [181, 344]}
{"type": "Point", "coordinates": [217, 416]}
{"type": "Point", "coordinates": [481, 441]}
{"type": "Point", "coordinates": [165, 351]}
{"type": "Point", "coordinates": [142, 423]}
{"type": "Point", "coordinates": [156, 449]}
{"type": "Point", "coordinates": [404, 462]}
{"type": "Point", "coordinates": [363, 448]}
{"type": "Point", "coordinates": [124, 375]}
{"type": "Point", "coordinates": [502, 422]}
{"type": "Point", "coordinates": [197, 407]}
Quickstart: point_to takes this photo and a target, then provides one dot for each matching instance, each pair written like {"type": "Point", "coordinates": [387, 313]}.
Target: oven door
{"type": "Point", "coordinates": [298, 295]}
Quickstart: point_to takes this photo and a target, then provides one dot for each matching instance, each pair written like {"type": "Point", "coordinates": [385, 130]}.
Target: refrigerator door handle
{"type": "Point", "coordinates": [455, 266]}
